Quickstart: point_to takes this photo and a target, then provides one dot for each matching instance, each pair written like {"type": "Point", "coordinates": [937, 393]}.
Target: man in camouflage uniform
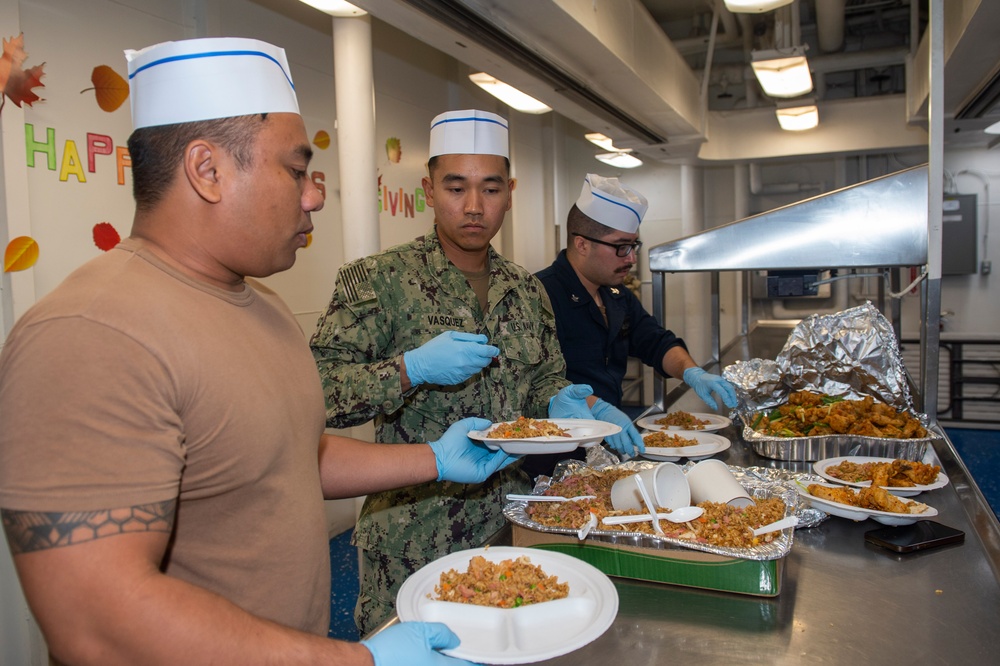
{"type": "Point", "coordinates": [404, 341]}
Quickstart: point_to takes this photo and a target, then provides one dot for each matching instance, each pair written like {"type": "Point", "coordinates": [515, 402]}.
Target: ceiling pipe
{"type": "Point", "coordinates": [830, 25]}
{"type": "Point", "coordinates": [757, 186]}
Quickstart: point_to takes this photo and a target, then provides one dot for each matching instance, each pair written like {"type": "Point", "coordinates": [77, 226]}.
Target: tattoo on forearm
{"type": "Point", "coordinates": [29, 531]}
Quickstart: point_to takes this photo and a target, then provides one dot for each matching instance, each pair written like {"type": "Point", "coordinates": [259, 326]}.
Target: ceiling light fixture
{"type": "Point", "coordinates": [337, 8]}
{"type": "Point", "coordinates": [507, 94]}
{"type": "Point", "coordinates": [599, 139]}
{"type": "Point", "coordinates": [782, 73]}
{"type": "Point", "coordinates": [621, 159]}
{"type": "Point", "coordinates": [993, 129]}
{"type": "Point", "coordinates": [798, 118]}
{"type": "Point", "coordinates": [754, 6]}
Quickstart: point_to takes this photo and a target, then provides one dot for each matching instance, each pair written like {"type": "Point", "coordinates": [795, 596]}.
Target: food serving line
{"type": "Point", "coordinates": [841, 599]}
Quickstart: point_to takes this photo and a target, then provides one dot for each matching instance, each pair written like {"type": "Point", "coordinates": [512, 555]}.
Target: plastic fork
{"type": "Point", "coordinates": [547, 498]}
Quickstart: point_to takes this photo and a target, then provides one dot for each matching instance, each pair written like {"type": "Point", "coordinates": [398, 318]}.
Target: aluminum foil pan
{"type": "Point", "coordinates": [759, 486]}
{"type": "Point", "coordinates": [852, 354]}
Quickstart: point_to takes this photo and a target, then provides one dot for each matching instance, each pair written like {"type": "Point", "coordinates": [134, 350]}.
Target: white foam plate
{"type": "Point", "coordinates": [715, 422]}
{"type": "Point", "coordinates": [531, 633]}
{"type": "Point", "coordinates": [709, 445]}
{"type": "Point", "coordinates": [582, 433]}
{"type": "Point", "coordinates": [858, 514]}
{"type": "Point", "coordinates": [909, 491]}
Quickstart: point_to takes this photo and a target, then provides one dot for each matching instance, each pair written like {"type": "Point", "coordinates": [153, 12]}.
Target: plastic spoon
{"type": "Point", "coordinates": [589, 525]}
{"type": "Point", "coordinates": [547, 498]}
{"type": "Point", "coordinates": [777, 526]}
{"type": "Point", "coordinates": [650, 507]}
{"type": "Point", "coordinates": [681, 515]}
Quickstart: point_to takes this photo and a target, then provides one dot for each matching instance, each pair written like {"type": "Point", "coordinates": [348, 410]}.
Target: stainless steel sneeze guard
{"type": "Point", "coordinates": [877, 223]}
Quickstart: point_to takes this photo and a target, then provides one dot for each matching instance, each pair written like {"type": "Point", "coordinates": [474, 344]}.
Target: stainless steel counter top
{"type": "Point", "coordinates": [842, 600]}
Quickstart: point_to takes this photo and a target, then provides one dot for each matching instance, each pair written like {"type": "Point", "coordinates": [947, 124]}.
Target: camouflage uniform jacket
{"type": "Point", "coordinates": [395, 301]}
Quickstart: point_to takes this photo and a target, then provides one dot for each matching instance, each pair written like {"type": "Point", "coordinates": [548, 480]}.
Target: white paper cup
{"type": "Point", "coordinates": [711, 481]}
{"type": "Point", "coordinates": [666, 483]}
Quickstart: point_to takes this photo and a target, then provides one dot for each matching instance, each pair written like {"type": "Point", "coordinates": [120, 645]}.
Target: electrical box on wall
{"type": "Point", "coordinates": [959, 231]}
{"type": "Point", "coordinates": [790, 284]}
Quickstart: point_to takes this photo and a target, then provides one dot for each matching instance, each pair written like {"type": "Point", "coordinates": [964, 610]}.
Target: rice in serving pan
{"type": "Point", "coordinates": [579, 479]}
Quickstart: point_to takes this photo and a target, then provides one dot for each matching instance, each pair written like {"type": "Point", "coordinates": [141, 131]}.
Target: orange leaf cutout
{"type": "Point", "coordinates": [110, 88]}
{"type": "Point", "coordinates": [105, 236]}
{"type": "Point", "coordinates": [17, 83]}
{"type": "Point", "coordinates": [21, 254]}
{"type": "Point", "coordinates": [321, 140]}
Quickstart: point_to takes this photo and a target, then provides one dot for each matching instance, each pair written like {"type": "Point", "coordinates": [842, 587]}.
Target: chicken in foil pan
{"type": "Point", "coordinates": [851, 355]}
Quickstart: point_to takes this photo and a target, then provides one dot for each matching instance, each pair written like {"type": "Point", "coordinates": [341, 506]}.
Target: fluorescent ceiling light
{"type": "Point", "coordinates": [621, 160]}
{"type": "Point", "coordinates": [798, 118]}
{"type": "Point", "coordinates": [754, 6]}
{"type": "Point", "coordinates": [509, 95]}
{"type": "Point", "coordinates": [993, 129]}
{"type": "Point", "coordinates": [783, 73]}
{"type": "Point", "coordinates": [599, 139]}
{"type": "Point", "coordinates": [336, 7]}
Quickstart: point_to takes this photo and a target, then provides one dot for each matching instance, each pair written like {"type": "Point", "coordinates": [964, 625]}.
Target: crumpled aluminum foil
{"type": "Point", "coordinates": [853, 354]}
{"type": "Point", "coordinates": [759, 482]}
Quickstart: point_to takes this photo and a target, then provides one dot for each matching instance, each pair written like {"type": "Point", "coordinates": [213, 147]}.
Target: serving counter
{"type": "Point", "coordinates": [841, 601]}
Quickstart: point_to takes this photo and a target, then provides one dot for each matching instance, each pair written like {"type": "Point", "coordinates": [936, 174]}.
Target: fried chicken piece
{"type": "Point", "coordinates": [909, 473]}
{"type": "Point", "coordinates": [839, 495]}
{"type": "Point", "coordinates": [880, 499]}
{"type": "Point", "coordinates": [880, 473]}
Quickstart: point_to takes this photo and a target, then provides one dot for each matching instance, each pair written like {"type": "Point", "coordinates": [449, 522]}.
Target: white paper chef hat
{"type": "Point", "coordinates": [469, 132]}
{"type": "Point", "coordinates": [613, 204]}
{"type": "Point", "coordinates": [205, 79]}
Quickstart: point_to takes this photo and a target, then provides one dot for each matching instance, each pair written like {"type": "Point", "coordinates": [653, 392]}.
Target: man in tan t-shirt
{"type": "Point", "coordinates": [162, 458]}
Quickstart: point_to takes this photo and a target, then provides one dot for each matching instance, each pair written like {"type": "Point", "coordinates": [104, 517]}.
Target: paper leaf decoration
{"type": "Point", "coordinates": [21, 254]}
{"type": "Point", "coordinates": [321, 140]}
{"type": "Point", "coordinates": [105, 236]}
{"type": "Point", "coordinates": [393, 149]}
{"type": "Point", "coordinates": [17, 83]}
{"type": "Point", "coordinates": [110, 88]}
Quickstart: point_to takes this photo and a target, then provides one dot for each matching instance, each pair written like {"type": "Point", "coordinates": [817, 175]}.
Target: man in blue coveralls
{"type": "Point", "coordinates": [599, 322]}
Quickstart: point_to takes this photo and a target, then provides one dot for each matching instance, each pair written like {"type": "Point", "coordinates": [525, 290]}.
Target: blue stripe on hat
{"type": "Point", "coordinates": [468, 119]}
{"type": "Point", "coordinates": [617, 203]}
{"type": "Point", "coordinates": [214, 54]}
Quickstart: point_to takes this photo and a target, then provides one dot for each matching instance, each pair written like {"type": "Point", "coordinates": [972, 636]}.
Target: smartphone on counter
{"type": "Point", "coordinates": [920, 535]}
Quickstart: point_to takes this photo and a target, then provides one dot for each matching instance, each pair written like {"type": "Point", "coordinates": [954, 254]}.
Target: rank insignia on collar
{"type": "Point", "coordinates": [574, 298]}
{"type": "Point", "coordinates": [614, 290]}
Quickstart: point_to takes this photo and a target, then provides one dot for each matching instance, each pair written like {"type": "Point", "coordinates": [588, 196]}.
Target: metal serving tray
{"type": "Point", "coordinates": [758, 485]}
{"type": "Point", "coordinates": [811, 449]}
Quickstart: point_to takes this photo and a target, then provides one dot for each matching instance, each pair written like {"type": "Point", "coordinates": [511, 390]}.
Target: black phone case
{"type": "Point", "coordinates": [920, 535]}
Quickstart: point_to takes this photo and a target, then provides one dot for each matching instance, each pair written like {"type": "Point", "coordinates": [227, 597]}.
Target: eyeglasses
{"type": "Point", "coordinates": [621, 249]}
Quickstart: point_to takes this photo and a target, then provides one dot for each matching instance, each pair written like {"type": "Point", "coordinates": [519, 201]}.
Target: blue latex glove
{"type": "Point", "coordinates": [571, 403]}
{"type": "Point", "coordinates": [450, 358]}
{"type": "Point", "coordinates": [704, 384]}
{"type": "Point", "coordinates": [414, 644]}
{"type": "Point", "coordinates": [462, 460]}
{"type": "Point", "coordinates": [626, 443]}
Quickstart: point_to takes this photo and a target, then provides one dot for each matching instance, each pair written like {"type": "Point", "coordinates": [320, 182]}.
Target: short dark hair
{"type": "Point", "coordinates": [156, 151]}
{"type": "Point", "coordinates": [432, 163]}
{"type": "Point", "coordinates": [577, 222]}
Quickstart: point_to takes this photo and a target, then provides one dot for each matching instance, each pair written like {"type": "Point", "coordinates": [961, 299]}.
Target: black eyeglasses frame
{"type": "Point", "coordinates": [621, 249]}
